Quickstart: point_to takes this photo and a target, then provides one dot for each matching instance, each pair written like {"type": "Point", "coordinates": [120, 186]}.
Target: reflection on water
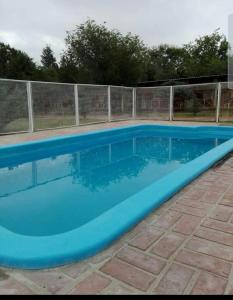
{"type": "Point", "coordinates": [60, 193]}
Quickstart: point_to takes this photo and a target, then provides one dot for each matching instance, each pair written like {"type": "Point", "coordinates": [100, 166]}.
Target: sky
{"type": "Point", "coordinates": [29, 25]}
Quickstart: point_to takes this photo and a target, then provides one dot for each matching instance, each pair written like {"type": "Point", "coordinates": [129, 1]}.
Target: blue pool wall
{"type": "Point", "coordinates": [25, 252]}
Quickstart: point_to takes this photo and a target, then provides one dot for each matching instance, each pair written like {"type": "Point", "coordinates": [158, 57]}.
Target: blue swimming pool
{"type": "Point", "coordinates": [64, 199]}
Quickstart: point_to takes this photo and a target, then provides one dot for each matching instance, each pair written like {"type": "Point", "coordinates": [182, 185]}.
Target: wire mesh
{"type": "Point", "coordinates": [13, 106]}
{"type": "Point", "coordinates": [226, 105]}
{"type": "Point", "coordinates": [195, 102]}
{"type": "Point", "coordinates": [121, 103]}
{"type": "Point", "coordinates": [53, 105]}
{"type": "Point", "coordinates": [153, 103]}
{"type": "Point", "coordinates": [93, 104]}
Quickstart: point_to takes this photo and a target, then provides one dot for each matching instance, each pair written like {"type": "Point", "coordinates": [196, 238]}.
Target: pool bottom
{"type": "Point", "coordinates": [45, 252]}
{"type": "Point", "coordinates": [69, 188]}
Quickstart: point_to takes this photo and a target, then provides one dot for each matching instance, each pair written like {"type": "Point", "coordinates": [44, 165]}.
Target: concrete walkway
{"type": "Point", "coordinates": [185, 247]}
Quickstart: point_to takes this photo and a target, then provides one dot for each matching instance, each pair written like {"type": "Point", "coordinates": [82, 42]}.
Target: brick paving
{"type": "Point", "coordinates": [184, 247]}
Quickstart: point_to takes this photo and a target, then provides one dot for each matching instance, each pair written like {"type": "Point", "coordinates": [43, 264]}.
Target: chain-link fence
{"type": "Point", "coordinates": [32, 106]}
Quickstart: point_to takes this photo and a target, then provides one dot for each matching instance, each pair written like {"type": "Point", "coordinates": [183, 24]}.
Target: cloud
{"type": "Point", "coordinates": [29, 25]}
{"type": "Point", "coordinates": [12, 38]}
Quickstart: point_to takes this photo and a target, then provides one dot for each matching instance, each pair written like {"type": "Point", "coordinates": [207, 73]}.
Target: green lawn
{"type": "Point", "coordinates": [41, 122]}
{"type": "Point", "coordinates": [49, 122]}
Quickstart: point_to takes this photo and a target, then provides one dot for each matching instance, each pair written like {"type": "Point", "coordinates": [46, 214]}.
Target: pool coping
{"type": "Point", "coordinates": [24, 252]}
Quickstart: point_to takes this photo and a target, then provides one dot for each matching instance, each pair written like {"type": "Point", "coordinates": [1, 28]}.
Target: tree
{"type": "Point", "coordinates": [207, 55]}
{"type": "Point", "coordinates": [48, 59]}
{"type": "Point", "coordinates": [166, 62]}
{"type": "Point", "coordinates": [49, 70]}
{"type": "Point", "coordinates": [96, 54]}
{"type": "Point", "coordinates": [15, 64]}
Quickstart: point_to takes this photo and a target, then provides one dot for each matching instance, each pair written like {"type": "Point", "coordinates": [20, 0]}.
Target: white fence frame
{"type": "Point", "coordinates": [109, 117]}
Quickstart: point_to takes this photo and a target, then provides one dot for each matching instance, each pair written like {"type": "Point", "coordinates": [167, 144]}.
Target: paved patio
{"type": "Point", "coordinates": [185, 247]}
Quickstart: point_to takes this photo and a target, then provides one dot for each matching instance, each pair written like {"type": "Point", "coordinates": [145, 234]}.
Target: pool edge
{"type": "Point", "coordinates": [128, 213]}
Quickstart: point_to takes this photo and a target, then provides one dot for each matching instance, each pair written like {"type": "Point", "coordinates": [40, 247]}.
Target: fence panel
{"type": "Point", "coordinates": [93, 104]}
{"type": "Point", "coordinates": [195, 102]}
{"type": "Point", "coordinates": [226, 104]}
{"type": "Point", "coordinates": [121, 103]}
{"type": "Point", "coordinates": [53, 105]}
{"type": "Point", "coordinates": [153, 103]}
{"type": "Point", "coordinates": [13, 106]}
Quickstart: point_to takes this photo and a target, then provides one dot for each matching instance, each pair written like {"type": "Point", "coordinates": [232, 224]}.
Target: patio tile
{"type": "Point", "coordinates": [76, 270]}
{"type": "Point", "coordinates": [187, 224]}
{"type": "Point", "coordinates": [209, 284]}
{"type": "Point", "coordinates": [217, 225]}
{"type": "Point", "coordinates": [209, 248]}
{"type": "Point", "coordinates": [222, 213]}
{"type": "Point", "coordinates": [204, 262]}
{"type": "Point", "coordinates": [194, 194]}
{"type": "Point", "coordinates": [227, 201]}
{"type": "Point", "coordinates": [167, 245]}
{"type": "Point", "coordinates": [117, 289]}
{"type": "Point", "coordinates": [175, 280]}
{"type": "Point", "coordinates": [144, 240]}
{"type": "Point", "coordinates": [13, 287]}
{"type": "Point", "coordinates": [211, 197]}
{"type": "Point", "coordinates": [215, 236]}
{"type": "Point", "coordinates": [138, 229]}
{"type": "Point", "coordinates": [143, 261]}
{"type": "Point", "coordinates": [107, 253]}
{"type": "Point", "coordinates": [93, 284]}
{"type": "Point", "coordinates": [168, 219]}
{"type": "Point", "coordinates": [52, 281]}
{"type": "Point", "coordinates": [128, 274]}
{"type": "Point", "coordinates": [194, 203]}
{"type": "Point", "coordinates": [189, 210]}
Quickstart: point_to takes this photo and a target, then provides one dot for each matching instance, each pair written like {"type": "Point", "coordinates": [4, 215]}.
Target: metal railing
{"type": "Point", "coordinates": [28, 106]}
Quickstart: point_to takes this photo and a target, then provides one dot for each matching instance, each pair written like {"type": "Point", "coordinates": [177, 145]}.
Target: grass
{"type": "Point", "coordinates": [53, 121]}
{"type": "Point", "coordinates": [48, 122]}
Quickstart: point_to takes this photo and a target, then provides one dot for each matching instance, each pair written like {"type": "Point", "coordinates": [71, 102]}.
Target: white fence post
{"type": "Point", "coordinates": [134, 104]}
{"type": "Point", "coordinates": [30, 107]}
{"type": "Point", "coordinates": [171, 103]}
{"type": "Point", "coordinates": [109, 104]}
{"type": "Point", "coordinates": [218, 102]}
{"type": "Point", "coordinates": [77, 119]}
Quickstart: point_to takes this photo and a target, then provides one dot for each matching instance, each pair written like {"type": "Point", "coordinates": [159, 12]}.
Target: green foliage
{"type": "Point", "coordinates": [49, 69]}
{"type": "Point", "coordinates": [96, 54]}
{"type": "Point", "coordinates": [166, 62]}
{"type": "Point", "coordinates": [207, 55]}
{"type": "Point", "coordinates": [48, 59]}
{"type": "Point", "coordinates": [103, 56]}
{"type": "Point", "coordinates": [15, 63]}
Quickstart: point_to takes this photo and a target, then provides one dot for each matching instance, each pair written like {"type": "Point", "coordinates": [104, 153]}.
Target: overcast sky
{"type": "Point", "coordinates": [29, 24]}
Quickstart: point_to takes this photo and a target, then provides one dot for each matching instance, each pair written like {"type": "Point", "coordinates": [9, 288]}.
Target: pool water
{"type": "Point", "coordinates": [51, 192]}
